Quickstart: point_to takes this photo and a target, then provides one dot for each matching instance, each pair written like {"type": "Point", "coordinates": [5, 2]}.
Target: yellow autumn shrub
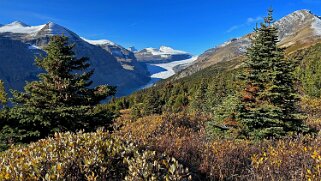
{"type": "Point", "coordinates": [293, 159]}
{"type": "Point", "coordinates": [183, 137]}
{"type": "Point", "coordinates": [87, 156]}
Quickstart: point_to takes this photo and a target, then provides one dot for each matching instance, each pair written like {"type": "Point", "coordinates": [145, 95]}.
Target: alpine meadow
{"type": "Point", "coordinates": [76, 108]}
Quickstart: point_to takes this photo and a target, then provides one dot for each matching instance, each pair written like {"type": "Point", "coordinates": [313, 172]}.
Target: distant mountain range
{"type": "Point", "coordinates": [126, 68]}
{"type": "Point", "coordinates": [162, 55]}
{"type": "Point", "coordinates": [297, 30]}
{"type": "Point", "coordinates": [113, 64]}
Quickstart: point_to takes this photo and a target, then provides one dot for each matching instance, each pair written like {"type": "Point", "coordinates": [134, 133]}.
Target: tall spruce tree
{"type": "Point", "coordinates": [8, 132]}
{"type": "Point", "coordinates": [61, 99]}
{"type": "Point", "coordinates": [3, 94]}
{"type": "Point", "coordinates": [268, 102]}
{"type": "Point", "coordinates": [198, 102]}
{"type": "Point", "coordinates": [152, 103]}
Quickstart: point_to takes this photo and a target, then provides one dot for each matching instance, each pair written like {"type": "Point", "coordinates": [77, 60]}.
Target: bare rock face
{"type": "Point", "coordinates": [296, 30]}
{"type": "Point", "coordinates": [124, 56]}
{"type": "Point", "coordinates": [20, 43]}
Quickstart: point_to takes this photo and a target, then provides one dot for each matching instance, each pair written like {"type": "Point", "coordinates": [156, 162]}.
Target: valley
{"type": "Point", "coordinates": [162, 71]}
{"type": "Point", "coordinates": [81, 108]}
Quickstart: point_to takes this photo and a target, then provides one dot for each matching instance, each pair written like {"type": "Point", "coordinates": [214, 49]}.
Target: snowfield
{"type": "Point", "coordinates": [18, 27]}
{"type": "Point", "coordinates": [164, 50]}
{"type": "Point", "coordinates": [317, 26]}
{"type": "Point", "coordinates": [163, 71]}
{"type": "Point", "coordinates": [98, 42]}
{"type": "Point", "coordinates": [169, 68]}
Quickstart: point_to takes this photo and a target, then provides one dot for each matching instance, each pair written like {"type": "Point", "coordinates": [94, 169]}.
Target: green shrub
{"type": "Point", "coordinates": [87, 156]}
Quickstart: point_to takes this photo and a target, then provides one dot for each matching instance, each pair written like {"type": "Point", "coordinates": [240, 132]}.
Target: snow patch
{"type": "Point", "coordinates": [227, 42]}
{"type": "Point", "coordinates": [132, 49]}
{"type": "Point", "coordinates": [33, 47]}
{"type": "Point", "coordinates": [55, 29]}
{"type": "Point", "coordinates": [99, 42]}
{"type": "Point", "coordinates": [170, 50]}
{"type": "Point", "coordinates": [169, 68]}
{"type": "Point", "coordinates": [316, 26]}
{"type": "Point", "coordinates": [163, 50]}
{"type": "Point", "coordinates": [18, 27]}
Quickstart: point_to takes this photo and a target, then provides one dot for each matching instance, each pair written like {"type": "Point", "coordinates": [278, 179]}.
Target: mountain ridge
{"type": "Point", "coordinates": [296, 30]}
{"type": "Point", "coordinates": [32, 39]}
{"type": "Point", "coordinates": [163, 54]}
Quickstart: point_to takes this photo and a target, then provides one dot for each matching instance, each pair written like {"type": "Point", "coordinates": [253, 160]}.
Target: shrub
{"type": "Point", "coordinates": [87, 156]}
{"type": "Point", "coordinates": [178, 135]}
{"type": "Point", "coordinates": [183, 137]}
{"type": "Point", "coordinates": [293, 159]}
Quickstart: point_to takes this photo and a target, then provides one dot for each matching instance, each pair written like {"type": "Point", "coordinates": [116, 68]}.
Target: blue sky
{"type": "Point", "coordinates": [190, 25]}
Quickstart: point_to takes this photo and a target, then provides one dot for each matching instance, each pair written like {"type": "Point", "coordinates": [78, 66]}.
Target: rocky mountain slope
{"type": "Point", "coordinates": [296, 30]}
{"type": "Point", "coordinates": [126, 57]}
{"type": "Point", "coordinates": [162, 55]}
{"type": "Point", "coordinates": [20, 43]}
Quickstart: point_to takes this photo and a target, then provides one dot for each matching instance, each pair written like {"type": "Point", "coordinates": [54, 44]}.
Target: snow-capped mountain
{"type": "Point", "coordinates": [124, 56]}
{"type": "Point", "coordinates": [132, 49]}
{"type": "Point", "coordinates": [21, 28]}
{"type": "Point", "coordinates": [296, 30]}
{"type": "Point", "coordinates": [20, 43]}
{"type": "Point", "coordinates": [99, 42]}
{"type": "Point", "coordinates": [301, 26]}
{"type": "Point", "coordinates": [162, 55]}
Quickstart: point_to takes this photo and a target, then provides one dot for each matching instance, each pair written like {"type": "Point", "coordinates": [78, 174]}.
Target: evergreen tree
{"type": "Point", "coordinates": [309, 72]}
{"type": "Point", "coordinates": [61, 99]}
{"type": "Point", "coordinates": [181, 102]}
{"type": "Point", "coordinates": [152, 104]}
{"type": "Point", "coordinates": [9, 133]}
{"type": "Point", "coordinates": [268, 102]}
{"type": "Point", "coordinates": [223, 119]}
{"type": "Point", "coordinates": [198, 103]}
{"type": "Point", "coordinates": [3, 94]}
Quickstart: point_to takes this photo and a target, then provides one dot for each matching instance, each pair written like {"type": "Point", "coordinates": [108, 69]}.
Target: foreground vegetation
{"type": "Point", "coordinates": [87, 156]}
{"type": "Point", "coordinates": [61, 100]}
{"type": "Point", "coordinates": [184, 137]}
{"type": "Point", "coordinates": [253, 118]}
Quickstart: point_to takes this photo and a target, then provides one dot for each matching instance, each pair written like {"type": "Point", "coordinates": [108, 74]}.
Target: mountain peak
{"type": "Point", "coordinates": [169, 50]}
{"type": "Point", "coordinates": [132, 49]}
{"type": "Point", "coordinates": [55, 28]}
{"type": "Point", "coordinates": [17, 23]}
{"type": "Point", "coordinates": [52, 28]}
{"type": "Point", "coordinates": [161, 55]}
{"type": "Point", "coordinates": [99, 42]}
{"type": "Point", "coordinates": [299, 15]}
{"type": "Point", "coordinates": [166, 49]}
{"type": "Point", "coordinates": [163, 50]}
{"type": "Point", "coordinates": [303, 11]}
{"type": "Point", "coordinates": [298, 21]}
{"type": "Point", "coordinates": [20, 27]}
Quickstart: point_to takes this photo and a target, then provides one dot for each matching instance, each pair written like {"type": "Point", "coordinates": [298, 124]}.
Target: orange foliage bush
{"type": "Point", "coordinates": [178, 135]}
{"type": "Point", "coordinates": [183, 137]}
